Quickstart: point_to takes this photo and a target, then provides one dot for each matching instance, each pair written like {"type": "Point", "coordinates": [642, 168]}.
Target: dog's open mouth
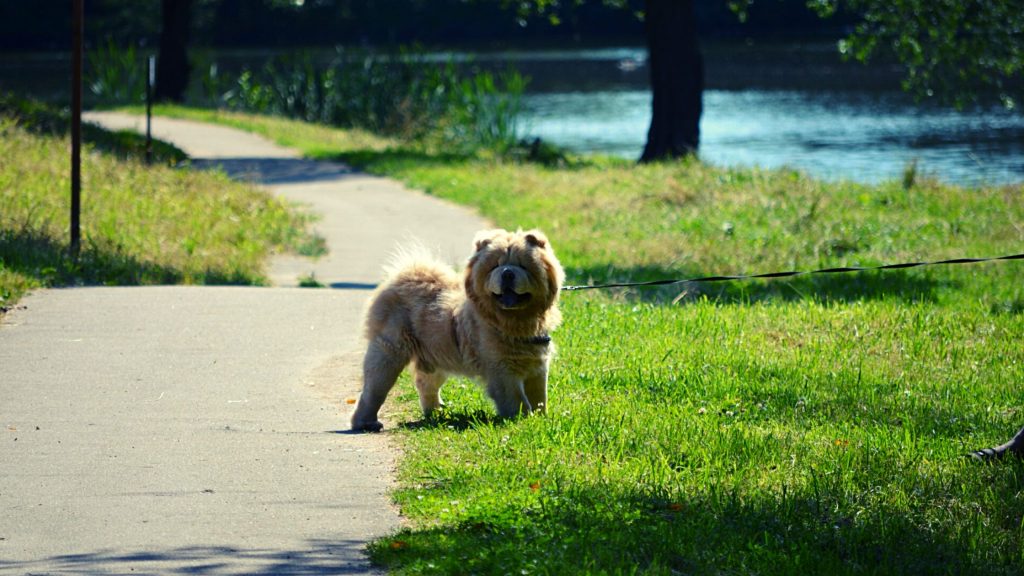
{"type": "Point", "coordinates": [510, 299]}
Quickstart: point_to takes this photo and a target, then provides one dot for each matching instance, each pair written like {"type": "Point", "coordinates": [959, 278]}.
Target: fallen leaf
{"type": "Point", "coordinates": [350, 400]}
{"type": "Point", "coordinates": [535, 486]}
{"type": "Point", "coordinates": [398, 545]}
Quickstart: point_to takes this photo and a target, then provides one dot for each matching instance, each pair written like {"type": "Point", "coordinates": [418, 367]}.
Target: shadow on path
{"type": "Point", "coordinates": [276, 171]}
{"type": "Point", "coordinates": [320, 557]}
{"type": "Point", "coordinates": [352, 286]}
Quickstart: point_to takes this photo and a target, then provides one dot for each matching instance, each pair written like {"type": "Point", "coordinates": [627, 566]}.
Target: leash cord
{"type": "Point", "coordinates": [840, 270]}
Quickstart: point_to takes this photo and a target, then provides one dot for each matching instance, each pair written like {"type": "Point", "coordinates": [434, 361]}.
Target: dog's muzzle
{"type": "Point", "coordinates": [510, 286]}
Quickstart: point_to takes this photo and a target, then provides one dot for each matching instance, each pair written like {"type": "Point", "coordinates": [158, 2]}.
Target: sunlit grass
{"type": "Point", "coordinates": [140, 224]}
{"type": "Point", "coordinates": [817, 425]}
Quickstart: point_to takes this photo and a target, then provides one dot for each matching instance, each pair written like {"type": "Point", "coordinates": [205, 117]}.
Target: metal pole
{"type": "Point", "coordinates": [77, 20]}
{"type": "Point", "coordinates": [150, 80]}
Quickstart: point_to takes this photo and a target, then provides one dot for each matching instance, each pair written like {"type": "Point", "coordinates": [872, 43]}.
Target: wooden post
{"type": "Point", "coordinates": [150, 80]}
{"type": "Point", "coordinates": [77, 27]}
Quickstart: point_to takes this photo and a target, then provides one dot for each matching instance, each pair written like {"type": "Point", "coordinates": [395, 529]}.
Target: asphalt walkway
{"type": "Point", "coordinates": [203, 430]}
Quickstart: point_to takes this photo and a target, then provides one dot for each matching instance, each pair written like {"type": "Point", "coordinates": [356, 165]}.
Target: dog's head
{"type": "Point", "coordinates": [514, 275]}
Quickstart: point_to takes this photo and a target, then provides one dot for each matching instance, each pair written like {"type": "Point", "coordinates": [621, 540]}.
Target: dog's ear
{"type": "Point", "coordinates": [484, 238]}
{"type": "Point", "coordinates": [536, 238]}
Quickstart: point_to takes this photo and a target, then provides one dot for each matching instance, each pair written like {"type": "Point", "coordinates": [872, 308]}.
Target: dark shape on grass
{"type": "Point", "coordinates": [456, 419]}
{"type": "Point", "coordinates": [708, 533]}
{"type": "Point", "coordinates": [1015, 447]}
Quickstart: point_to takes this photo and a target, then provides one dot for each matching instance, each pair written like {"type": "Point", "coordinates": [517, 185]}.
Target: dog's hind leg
{"type": "Point", "coordinates": [381, 367]}
{"type": "Point", "coordinates": [428, 384]}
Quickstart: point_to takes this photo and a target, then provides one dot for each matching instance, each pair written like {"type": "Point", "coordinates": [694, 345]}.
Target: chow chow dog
{"type": "Point", "coordinates": [493, 323]}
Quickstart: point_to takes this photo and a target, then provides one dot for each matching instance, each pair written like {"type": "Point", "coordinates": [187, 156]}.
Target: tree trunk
{"type": "Point", "coordinates": [677, 79]}
{"type": "Point", "coordinates": [172, 67]}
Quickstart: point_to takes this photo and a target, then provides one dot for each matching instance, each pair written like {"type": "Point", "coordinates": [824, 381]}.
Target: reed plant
{"type": "Point", "coordinates": [403, 95]}
{"type": "Point", "coordinates": [115, 75]}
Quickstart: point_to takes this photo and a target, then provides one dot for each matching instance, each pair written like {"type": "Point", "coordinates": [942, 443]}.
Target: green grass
{"type": "Point", "coordinates": [140, 224]}
{"type": "Point", "coordinates": [809, 426]}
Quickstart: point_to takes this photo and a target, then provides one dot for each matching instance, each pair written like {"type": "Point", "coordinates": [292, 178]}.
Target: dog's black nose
{"type": "Point", "coordinates": [508, 277]}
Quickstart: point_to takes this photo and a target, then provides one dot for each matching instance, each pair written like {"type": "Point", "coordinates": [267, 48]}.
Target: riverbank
{"type": "Point", "coordinates": [814, 425]}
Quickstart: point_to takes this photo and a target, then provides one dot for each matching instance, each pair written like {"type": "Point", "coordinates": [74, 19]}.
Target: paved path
{"type": "Point", "coordinates": [202, 430]}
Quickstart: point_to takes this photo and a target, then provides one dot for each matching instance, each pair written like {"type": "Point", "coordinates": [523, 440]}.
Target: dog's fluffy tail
{"type": "Point", "coordinates": [411, 253]}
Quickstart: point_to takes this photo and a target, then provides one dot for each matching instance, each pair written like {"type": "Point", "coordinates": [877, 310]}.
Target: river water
{"type": "Point", "coordinates": [833, 135]}
{"type": "Point", "coordinates": [802, 109]}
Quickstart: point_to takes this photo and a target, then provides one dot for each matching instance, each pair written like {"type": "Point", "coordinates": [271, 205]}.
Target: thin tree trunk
{"type": "Point", "coordinates": [677, 79]}
{"type": "Point", "coordinates": [172, 68]}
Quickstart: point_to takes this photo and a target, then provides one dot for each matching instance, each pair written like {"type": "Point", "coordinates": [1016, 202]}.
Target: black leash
{"type": "Point", "coordinates": [792, 273]}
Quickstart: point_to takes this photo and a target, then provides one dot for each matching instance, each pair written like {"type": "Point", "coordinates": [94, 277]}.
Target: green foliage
{"type": "Point", "coordinates": [404, 95]}
{"type": "Point", "coordinates": [952, 50]}
{"type": "Point", "coordinates": [310, 281]}
{"type": "Point", "coordinates": [115, 75]}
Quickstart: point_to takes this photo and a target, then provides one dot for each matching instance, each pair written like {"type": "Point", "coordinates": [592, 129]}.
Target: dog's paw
{"type": "Point", "coordinates": [372, 426]}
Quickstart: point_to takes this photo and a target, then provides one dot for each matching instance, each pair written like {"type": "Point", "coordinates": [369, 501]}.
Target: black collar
{"type": "Point", "coordinates": [542, 340]}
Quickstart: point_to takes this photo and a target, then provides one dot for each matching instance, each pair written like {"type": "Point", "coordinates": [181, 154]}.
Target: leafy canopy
{"type": "Point", "coordinates": [959, 51]}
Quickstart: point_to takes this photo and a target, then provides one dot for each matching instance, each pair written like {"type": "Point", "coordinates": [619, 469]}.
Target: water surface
{"type": "Point", "coordinates": [862, 136]}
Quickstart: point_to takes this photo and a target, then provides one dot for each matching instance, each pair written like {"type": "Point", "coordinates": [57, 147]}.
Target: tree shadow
{"type": "Point", "coordinates": [48, 120]}
{"type": "Point", "coordinates": [276, 171]}
{"type": "Point", "coordinates": [459, 419]}
{"type": "Point", "coordinates": [598, 526]}
{"type": "Point", "coordinates": [525, 152]}
{"type": "Point", "coordinates": [320, 557]}
{"type": "Point", "coordinates": [353, 286]}
{"type": "Point", "coordinates": [826, 288]}
{"type": "Point", "coordinates": [38, 255]}
{"type": "Point", "coordinates": [372, 160]}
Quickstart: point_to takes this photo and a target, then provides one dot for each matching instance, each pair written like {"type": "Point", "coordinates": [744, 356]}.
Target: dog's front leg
{"type": "Point", "coordinates": [508, 395]}
{"type": "Point", "coordinates": [428, 384]}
